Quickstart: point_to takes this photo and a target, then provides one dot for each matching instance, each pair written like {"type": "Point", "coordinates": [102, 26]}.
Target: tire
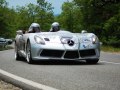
{"type": "Point", "coordinates": [92, 61]}
{"type": "Point", "coordinates": [28, 53]}
{"type": "Point", "coordinates": [17, 56]}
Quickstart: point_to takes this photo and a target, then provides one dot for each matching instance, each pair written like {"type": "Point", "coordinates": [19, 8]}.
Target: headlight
{"type": "Point", "coordinates": [89, 39]}
{"type": "Point", "coordinates": [39, 40]}
{"type": "Point", "coordinates": [64, 40]}
{"type": "Point", "coordinates": [94, 39]}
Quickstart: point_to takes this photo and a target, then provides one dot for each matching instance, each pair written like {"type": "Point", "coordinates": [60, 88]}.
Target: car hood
{"type": "Point", "coordinates": [57, 37]}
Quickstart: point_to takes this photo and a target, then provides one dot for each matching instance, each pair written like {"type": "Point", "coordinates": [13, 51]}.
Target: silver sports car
{"type": "Point", "coordinates": [61, 45]}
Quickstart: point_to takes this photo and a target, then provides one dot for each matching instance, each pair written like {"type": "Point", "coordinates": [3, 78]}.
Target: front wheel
{"type": "Point", "coordinates": [28, 53]}
{"type": "Point", "coordinates": [92, 61]}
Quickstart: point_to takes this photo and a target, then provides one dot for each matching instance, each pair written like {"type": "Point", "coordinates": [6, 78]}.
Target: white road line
{"type": "Point", "coordinates": [26, 81]}
{"type": "Point", "coordinates": [110, 62]}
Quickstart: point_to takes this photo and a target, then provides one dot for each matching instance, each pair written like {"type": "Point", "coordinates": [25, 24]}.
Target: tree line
{"type": "Point", "coordinates": [21, 17]}
{"type": "Point", "coordinates": [101, 17]}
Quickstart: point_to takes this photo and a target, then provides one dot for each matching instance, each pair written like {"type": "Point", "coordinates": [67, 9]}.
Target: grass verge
{"type": "Point", "coordinates": [5, 48]}
{"type": "Point", "coordinates": [110, 49]}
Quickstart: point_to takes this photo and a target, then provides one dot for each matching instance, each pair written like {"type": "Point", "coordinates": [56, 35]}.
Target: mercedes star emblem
{"type": "Point", "coordinates": [70, 42]}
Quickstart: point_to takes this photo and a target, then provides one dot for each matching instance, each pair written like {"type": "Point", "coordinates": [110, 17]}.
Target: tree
{"type": "Point", "coordinates": [3, 23]}
{"type": "Point", "coordinates": [12, 20]}
{"type": "Point", "coordinates": [70, 18]}
{"type": "Point", "coordinates": [112, 27]}
{"type": "Point", "coordinates": [32, 12]}
{"type": "Point", "coordinates": [45, 14]}
{"type": "Point", "coordinates": [3, 3]}
{"type": "Point", "coordinates": [23, 17]}
{"type": "Point", "coordinates": [41, 13]}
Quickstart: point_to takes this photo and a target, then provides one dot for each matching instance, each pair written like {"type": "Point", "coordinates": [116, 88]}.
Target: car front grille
{"type": "Point", "coordinates": [87, 53]}
{"type": "Point", "coordinates": [71, 54]}
{"type": "Point", "coordinates": [52, 53]}
{"type": "Point", "coordinates": [68, 54]}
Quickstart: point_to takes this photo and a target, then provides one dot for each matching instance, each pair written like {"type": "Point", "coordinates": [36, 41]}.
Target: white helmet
{"type": "Point", "coordinates": [34, 27]}
{"type": "Point", "coordinates": [55, 27]}
{"type": "Point", "coordinates": [83, 31]}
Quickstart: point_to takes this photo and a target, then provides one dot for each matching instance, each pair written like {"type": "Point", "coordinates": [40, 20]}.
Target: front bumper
{"type": "Point", "coordinates": [92, 51]}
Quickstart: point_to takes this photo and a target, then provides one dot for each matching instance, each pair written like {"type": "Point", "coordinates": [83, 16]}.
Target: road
{"type": "Point", "coordinates": [67, 75]}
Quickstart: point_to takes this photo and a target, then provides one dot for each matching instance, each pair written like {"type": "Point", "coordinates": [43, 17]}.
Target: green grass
{"type": "Point", "coordinates": [110, 49]}
{"type": "Point", "coordinates": [5, 48]}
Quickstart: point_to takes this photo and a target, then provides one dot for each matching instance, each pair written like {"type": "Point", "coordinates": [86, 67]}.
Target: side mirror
{"type": "Point", "coordinates": [19, 32]}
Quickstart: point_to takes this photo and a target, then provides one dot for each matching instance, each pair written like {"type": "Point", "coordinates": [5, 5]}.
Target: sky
{"type": "Point", "coordinates": [55, 3]}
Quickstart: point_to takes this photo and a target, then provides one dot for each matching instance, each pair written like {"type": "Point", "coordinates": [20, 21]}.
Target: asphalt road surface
{"type": "Point", "coordinates": [67, 75]}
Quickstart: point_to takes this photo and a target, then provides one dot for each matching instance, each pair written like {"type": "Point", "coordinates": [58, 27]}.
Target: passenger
{"type": "Point", "coordinates": [55, 27]}
{"type": "Point", "coordinates": [34, 28]}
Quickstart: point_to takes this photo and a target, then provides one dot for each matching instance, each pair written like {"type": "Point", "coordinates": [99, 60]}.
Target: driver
{"type": "Point", "coordinates": [55, 27]}
{"type": "Point", "coordinates": [34, 28]}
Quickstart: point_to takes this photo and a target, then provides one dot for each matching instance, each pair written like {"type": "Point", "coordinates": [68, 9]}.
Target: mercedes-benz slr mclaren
{"type": "Point", "coordinates": [61, 45]}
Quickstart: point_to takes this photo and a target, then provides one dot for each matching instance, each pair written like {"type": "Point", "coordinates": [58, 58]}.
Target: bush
{"type": "Point", "coordinates": [114, 42]}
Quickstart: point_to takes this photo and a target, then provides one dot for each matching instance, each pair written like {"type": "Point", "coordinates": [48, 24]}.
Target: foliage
{"type": "Point", "coordinates": [44, 14]}
{"type": "Point", "coordinates": [70, 19]}
{"type": "Point", "coordinates": [6, 19]}
{"type": "Point", "coordinates": [12, 19]}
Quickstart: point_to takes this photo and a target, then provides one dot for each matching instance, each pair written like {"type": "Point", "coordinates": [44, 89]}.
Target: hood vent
{"type": "Point", "coordinates": [46, 39]}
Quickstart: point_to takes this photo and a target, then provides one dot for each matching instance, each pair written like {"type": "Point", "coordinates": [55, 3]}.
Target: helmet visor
{"type": "Point", "coordinates": [36, 29]}
{"type": "Point", "coordinates": [56, 28]}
